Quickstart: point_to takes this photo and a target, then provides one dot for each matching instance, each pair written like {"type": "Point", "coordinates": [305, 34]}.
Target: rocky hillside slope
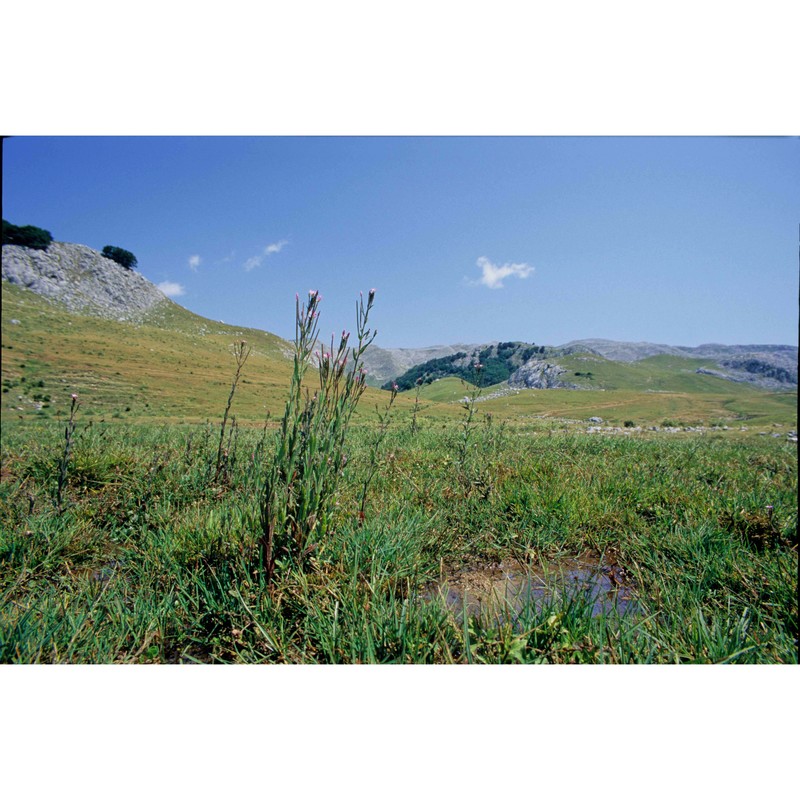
{"type": "Point", "coordinates": [82, 280]}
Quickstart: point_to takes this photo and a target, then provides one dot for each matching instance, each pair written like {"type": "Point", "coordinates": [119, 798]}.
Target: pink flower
{"type": "Point", "coordinates": [74, 396]}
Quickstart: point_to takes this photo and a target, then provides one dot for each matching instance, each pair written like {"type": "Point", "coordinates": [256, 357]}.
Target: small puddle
{"type": "Point", "coordinates": [101, 575]}
{"type": "Point", "coordinates": [510, 585]}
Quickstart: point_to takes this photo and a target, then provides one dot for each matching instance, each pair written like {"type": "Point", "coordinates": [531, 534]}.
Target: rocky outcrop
{"type": "Point", "coordinates": [755, 369]}
{"type": "Point", "coordinates": [540, 375]}
{"type": "Point", "coordinates": [759, 367]}
{"type": "Point", "coordinates": [82, 280]}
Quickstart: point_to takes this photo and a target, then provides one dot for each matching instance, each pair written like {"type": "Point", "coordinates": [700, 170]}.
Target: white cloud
{"type": "Point", "coordinates": [194, 263]}
{"type": "Point", "coordinates": [171, 289]}
{"type": "Point", "coordinates": [276, 247]}
{"type": "Point", "coordinates": [494, 275]}
{"type": "Point", "coordinates": [257, 261]}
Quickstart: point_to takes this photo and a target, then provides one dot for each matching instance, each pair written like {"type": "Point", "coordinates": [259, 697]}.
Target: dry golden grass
{"type": "Point", "coordinates": [176, 366]}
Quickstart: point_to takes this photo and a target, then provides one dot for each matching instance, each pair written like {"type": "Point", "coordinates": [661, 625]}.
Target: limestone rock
{"type": "Point", "coordinates": [536, 374]}
{"type": "Point", "coordinates": [82, 280]}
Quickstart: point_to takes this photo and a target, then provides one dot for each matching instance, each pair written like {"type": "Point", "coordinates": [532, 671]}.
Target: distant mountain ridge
{"type": "Point", "coordinates": [635, 351]}
{"type": "Point", "coordinates": [541, 367]}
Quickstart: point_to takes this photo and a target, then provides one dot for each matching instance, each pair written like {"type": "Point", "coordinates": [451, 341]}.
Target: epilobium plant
{"type": "Point", "coordinates": [69, 432]}
{"type": "Point", "coordinates": [241, 352]}
{"type": "Point", "coordinates": [468, 403]}
{"type": "Point", "coordinates": [414, 427]}
{"type": "Point", "coordinates": [301, 482]}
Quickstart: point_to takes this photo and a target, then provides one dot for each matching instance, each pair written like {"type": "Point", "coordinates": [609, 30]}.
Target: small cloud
{"type": "Point", "coordinates": [493, 275]}
{"type": "Point", "coordinates": [257, 261]}
{"type": "Point", "coordinates": [276, 247]}
{"type": "Point", "coordinates": [194, 263]}
{"type": "Point", "coordinates": [171, 289]}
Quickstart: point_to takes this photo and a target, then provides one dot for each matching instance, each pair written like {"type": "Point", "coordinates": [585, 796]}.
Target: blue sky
{"type": "Point", "coordinates": [679, 240]}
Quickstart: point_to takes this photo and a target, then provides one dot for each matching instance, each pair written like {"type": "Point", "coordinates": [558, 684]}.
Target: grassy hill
{"type": "Point", "coordinates": [739, 404]}
{"type": "Point", "coordinates": [176, 366]}
{"type": "Point", "coordinates": [644, 393]}
{"type": "Point", "coordinates": [654, 374]}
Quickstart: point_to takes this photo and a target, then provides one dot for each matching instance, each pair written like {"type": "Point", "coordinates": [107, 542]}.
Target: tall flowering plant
{"type": "Point", "coordinates": [63, 463]}
{"type": "Point", "coordinates": [302, 480]}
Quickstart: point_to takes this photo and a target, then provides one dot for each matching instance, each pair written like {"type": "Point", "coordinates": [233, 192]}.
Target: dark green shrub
{"type": "Point", "coordinates": [122, 257]}
{"type": "Point", "coordinates": [26, 236]}
{"type": "Point", "coordinates": [629, 423]}
{"type": "Point", "coordinates": [498, 364]}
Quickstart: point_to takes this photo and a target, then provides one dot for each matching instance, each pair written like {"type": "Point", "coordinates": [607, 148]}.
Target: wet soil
{"type": "Point", "coordinates": [510, 585]}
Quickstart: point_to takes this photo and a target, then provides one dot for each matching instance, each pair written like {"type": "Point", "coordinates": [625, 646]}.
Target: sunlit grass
{"type": "Point", "coordinates": [149, 562]}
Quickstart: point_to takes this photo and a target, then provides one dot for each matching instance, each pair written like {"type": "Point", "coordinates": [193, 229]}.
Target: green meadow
{"type": "Point", "coordinates": [137, 543]}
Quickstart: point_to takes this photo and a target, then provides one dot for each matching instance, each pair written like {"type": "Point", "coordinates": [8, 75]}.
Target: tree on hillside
{"type": "Point", "coordinates": [26, 236]}
{"type": "Point", "coordinates": [123, 257]}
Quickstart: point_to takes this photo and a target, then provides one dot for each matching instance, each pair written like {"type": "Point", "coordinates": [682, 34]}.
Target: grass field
{"type": "Point", "coordinates": [152, 562]}
{"type": "Point", "coordinates": [134, 547]}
